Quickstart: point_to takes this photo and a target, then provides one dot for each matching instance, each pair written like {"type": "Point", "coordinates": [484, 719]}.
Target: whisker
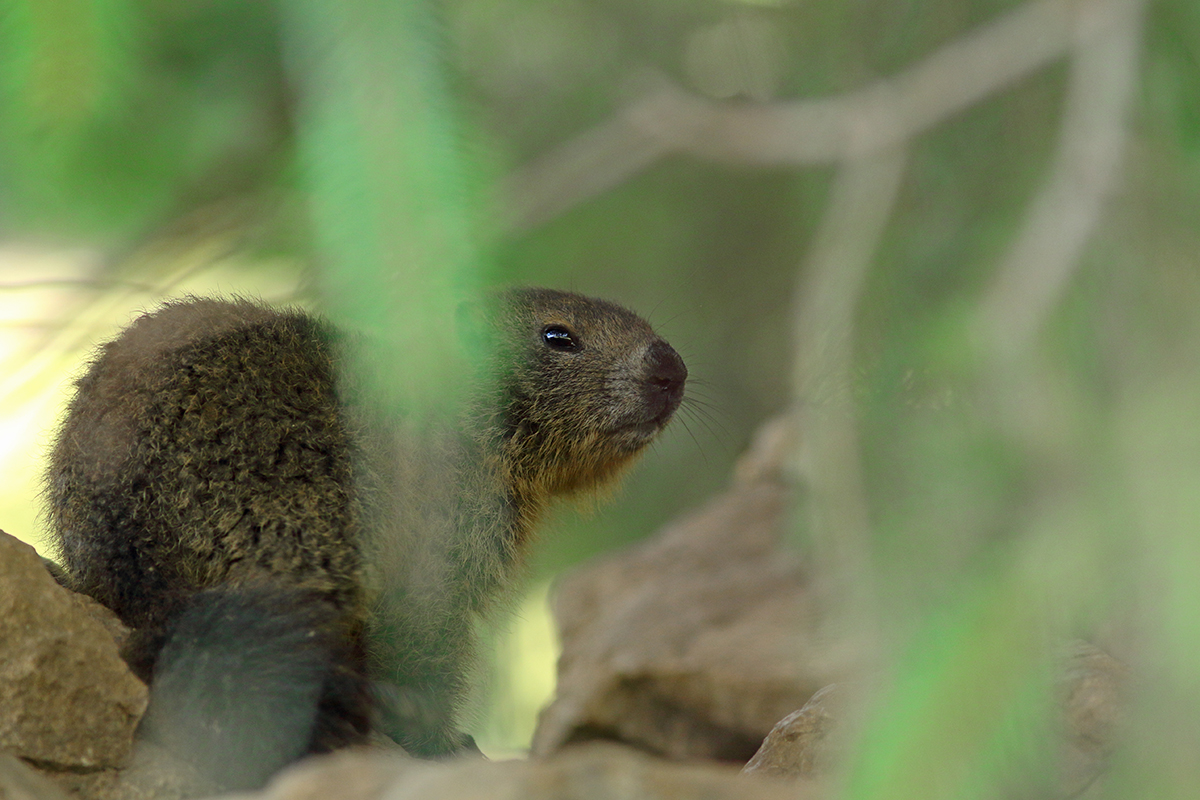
{"type": "Point", "coordinates": [688, 428]}
{"type": "Point", "coordinates": [711, 423]}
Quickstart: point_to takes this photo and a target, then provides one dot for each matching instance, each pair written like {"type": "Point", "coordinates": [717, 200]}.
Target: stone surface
{"type": "Point", "coordinates": [354, 774]}
{"type": "Point", "coordinates": [802, 743]}
{"type": "Point", "coordinates": [152, 774]}
{"type": "Point", "coordinates": [103, 785]}
{"type": "Point", "coordinates": [806, 742]}
{"type": "Point", "coordinates": [18, 781]}
{"type": "Point", "coordinates": [694, 643]}
{"type": "Point", "coordinates": [593, 772]}
{"type": "Point", "coordinates": [1091, 690]}
{"type": "Point", "coordinates": [70, 703]}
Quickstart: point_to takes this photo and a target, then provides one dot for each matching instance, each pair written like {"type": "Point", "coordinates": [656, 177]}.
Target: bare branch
{"type": "Point", "coordinates": [670, 120]}
{"type": "Point", "coordinates": [588, 165]}
{"type": "Point", "coordinates": [888, 111]}
{"type": "Point", "coordinates": [864, 194]}
{"type": "Point", "coordinates": [1066, 210]}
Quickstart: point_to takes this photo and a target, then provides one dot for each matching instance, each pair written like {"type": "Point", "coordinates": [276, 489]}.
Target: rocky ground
{"type": "Point", "coordinates": [681, 655]}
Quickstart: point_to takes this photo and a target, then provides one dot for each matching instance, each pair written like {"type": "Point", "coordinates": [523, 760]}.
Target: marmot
{"type": "Point", "coordinates": [298, 573]}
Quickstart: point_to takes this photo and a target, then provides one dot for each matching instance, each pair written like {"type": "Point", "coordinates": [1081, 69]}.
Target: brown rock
{"type": "Point", "coordinates": [594, 772]}
{"type": "Point", "coordinates": [157, 773]}
{"type": "Point", "coordinates": [70, 703]}
{"type": "Point", "coordinates": [103, 785]}
{"type": "Point", "coordinates": [801, 745]}
{"type": "Point", "coordinates": [107, 619]}
{"type": "Point", "coordinates": [694, 643]}
{"type": "Point", "coordinates": [18, 781]}
{"type": "Point", "coordinates": [1091, 691]}
{"type": "Point", "coordinates": [354, 774]}
{"type": "Point", "coordinates": [805, 742]}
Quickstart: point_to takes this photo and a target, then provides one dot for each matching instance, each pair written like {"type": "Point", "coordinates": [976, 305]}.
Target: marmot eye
{"type": "Point", "coordinates": [558, 337]}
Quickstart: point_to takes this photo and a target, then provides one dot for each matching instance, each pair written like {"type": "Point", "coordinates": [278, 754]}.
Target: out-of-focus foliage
{"type": "Point", "coordinates": [129, 123]}
{"type": "Point", "coordinates": [385, 190]}
{"type": "Point", "coordinates": [118, 115]}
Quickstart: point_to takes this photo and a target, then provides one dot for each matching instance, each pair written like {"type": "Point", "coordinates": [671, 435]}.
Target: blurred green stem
{"type": "Point", "coordinates": [386, 189]}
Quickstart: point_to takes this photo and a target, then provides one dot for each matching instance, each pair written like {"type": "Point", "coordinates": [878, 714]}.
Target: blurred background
{"type": "Point", "coordinates": [957, 238]}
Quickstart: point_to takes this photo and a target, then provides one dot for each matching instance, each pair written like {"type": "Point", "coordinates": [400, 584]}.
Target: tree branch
{"type": "Point", "coordinates": [668, 119]}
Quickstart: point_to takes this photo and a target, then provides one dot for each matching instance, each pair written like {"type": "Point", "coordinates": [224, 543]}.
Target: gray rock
{"type": "Point", "coordinates": [593, 772]}
{"type": "Point", "coordinates": [1091, 691]}
{"type": "Point", "coordinates": [70, 703]}
{"type": "Point", "coordinates": [694, 643]}
{"type": "Point", "coordinates": [103, 785]}
{"type": "Point", "coordinates": [353, 774]}
{"type": "Point", "coordinates": [803, 743]}
{"type": "Point", "coordinates": [18, 781]}
{"type": "Point", "coordinates": [806, 742]}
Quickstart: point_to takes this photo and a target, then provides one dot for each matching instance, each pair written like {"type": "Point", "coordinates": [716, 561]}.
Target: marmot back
{"type": "Point", "coordinates": [212, 472]}
{"type": "Point", "coordinates": [205, 446]}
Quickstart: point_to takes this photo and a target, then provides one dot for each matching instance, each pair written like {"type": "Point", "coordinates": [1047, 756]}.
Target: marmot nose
{"type": "Point", "coordinates": [666, 376]}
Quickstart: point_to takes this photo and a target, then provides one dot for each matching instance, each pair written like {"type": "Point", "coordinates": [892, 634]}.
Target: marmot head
{"type": "Point", "coordinates": [580, 386]}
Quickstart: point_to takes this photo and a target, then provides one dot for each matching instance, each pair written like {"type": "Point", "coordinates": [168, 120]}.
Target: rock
{"type": "Point", "coordinates": [104, 785]}
{"type": "Point", "coordinates": [1091, 692]}
{"type": "Point", "coordinates": [801, 746]}
{"type": "Point", "coordinates": [70, 703]}
{"type": "Point", "coordinates": [805, 743]}
{"type": "Point", "coordinates": [353, 774]}
{"type": "Point", "coordinates": [694, 643]}
{"type": "Point", "coordinates": [18, 781]}
{"type": "Point", "coordinates": [802, 743]}
{"type": "Point", "coordinates": [593, 772]}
